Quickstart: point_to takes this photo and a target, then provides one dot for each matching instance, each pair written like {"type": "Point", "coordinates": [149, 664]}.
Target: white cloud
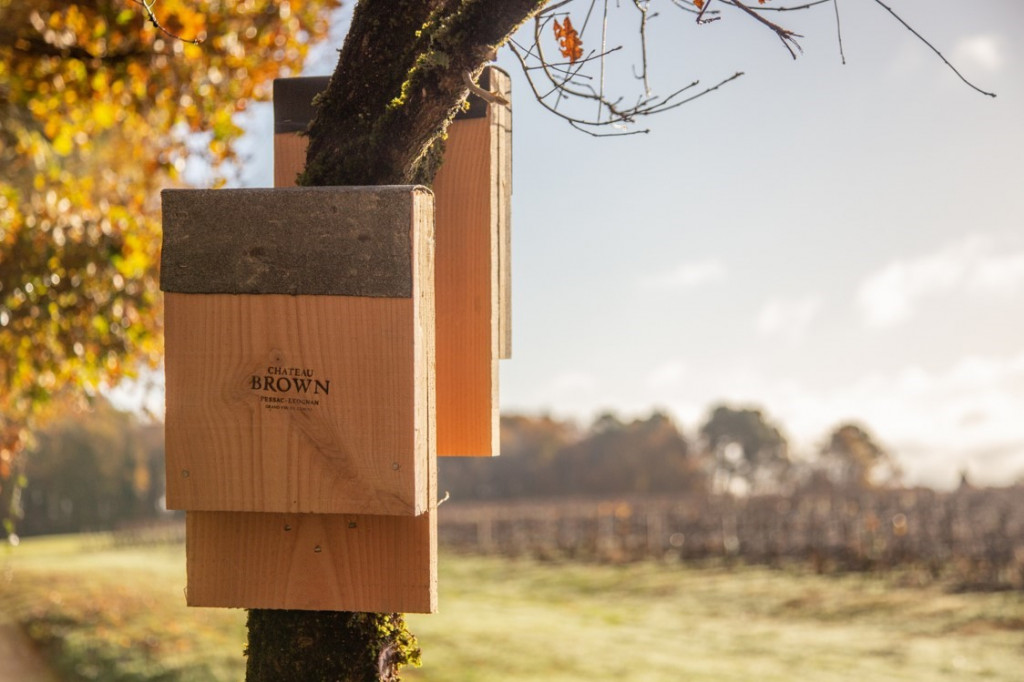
{"type": "Point", "coordinates": [998, 274]}
{"type": "Point", "coordinates": [788, 318]}
{"type": "Point", "coordinates": [687, 276]}
{"type": "Point", "coordinates": [889, 295]}
{"type": "Point", "coordinates": [569, 382]}
{"type": "Point", "coordinates": [666, 375]}
{"type": "Point", "coordinates": [984, 51]}
{"type": "Point", "coordinates": [937, 423]}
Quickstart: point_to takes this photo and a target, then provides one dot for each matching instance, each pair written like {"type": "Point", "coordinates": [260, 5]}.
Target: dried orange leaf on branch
{"type": "Point", "coordinates": [699, 4]}
{"type": "Point", "coordinates": [569, 41]}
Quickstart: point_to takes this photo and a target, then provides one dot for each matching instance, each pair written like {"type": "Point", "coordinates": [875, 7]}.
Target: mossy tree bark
{"type": "Point", "coordinates": [401, 77]}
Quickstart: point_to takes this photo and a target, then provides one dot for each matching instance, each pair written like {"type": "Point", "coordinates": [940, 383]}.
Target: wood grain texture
{"type": "Point", "coordinates": [294, 403]}
{"type": "Point", "coordinates": [472, 202]}
{"type": "Point", "coordinates": [342, 241]}
{"type": "Point", "coordinates": [289, 158]}
{"type": "Point", "coordinates": [312, 561]}
{"type": "Point", "coordinates": [466, 280]}
{"type": "Point", "coordinates": [500, 118]}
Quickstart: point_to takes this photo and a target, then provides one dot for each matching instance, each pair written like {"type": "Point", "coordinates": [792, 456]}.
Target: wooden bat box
{"type": "Point", "coordinates": [299, 328]}
{"type": "Point", "coordinates": [472, 194]}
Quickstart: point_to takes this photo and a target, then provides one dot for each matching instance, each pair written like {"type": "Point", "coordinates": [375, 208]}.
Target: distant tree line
{"type": "Point", "coordinates": [972, 538]}
{"type": "Point", "coordinates": [93, 471]}
{"type": "Point", "coordinates": [103, 469]}
{"type": "Point", "coordinates": [736, 450]}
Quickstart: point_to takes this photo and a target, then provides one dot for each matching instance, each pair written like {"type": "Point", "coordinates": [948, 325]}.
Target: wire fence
{"type": "Point", "coordinates": [973, 536]}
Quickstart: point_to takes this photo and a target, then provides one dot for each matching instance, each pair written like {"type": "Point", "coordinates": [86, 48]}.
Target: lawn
{"type": "Point", "coordinates": [117, 614]}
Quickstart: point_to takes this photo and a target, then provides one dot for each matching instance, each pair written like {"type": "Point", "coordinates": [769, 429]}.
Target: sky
{"type": "Point", "coordinates": [825, 242]}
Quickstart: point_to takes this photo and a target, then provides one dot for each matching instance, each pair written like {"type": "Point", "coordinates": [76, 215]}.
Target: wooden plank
{"type": "Point", "coordinates": [312, 561]}
{"type": "Point", "coordinates": [294, 403]}
{"type": "Point", "coordinates": [289, 158]}
{"type": "Point", "coordinates": [465, 281]}
{"type": "Point", "coordinates": [472, 215]}
{"type": "Point", "coordinates": [500, 118]}
{"type": "Point", "coordinates": [340, 241]}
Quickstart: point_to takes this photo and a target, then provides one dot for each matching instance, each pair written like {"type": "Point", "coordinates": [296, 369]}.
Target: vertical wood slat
{"type": "Point", "coordinates": [329, 562]}
{"type": "Point", "coordinates": [501, 205]}
{"type": "Point", "coordinates": [472, 199]}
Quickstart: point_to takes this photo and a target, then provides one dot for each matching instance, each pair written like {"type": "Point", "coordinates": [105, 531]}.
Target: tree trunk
{"type": "Point", "coordinates": [327, 645]}
{"type": "Point", "coordinates": [401, 77]}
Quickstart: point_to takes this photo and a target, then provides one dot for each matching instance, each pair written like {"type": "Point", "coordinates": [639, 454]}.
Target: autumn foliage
{"type": "Point", "coordinates": [99, 108]}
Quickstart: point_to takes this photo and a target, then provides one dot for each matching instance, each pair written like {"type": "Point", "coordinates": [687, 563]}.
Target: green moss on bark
{"type": "Point", "coordinates": [327, 645]}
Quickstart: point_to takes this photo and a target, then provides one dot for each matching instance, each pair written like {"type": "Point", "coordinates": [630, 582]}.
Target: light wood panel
{"type": "Point", "coordinates": [289, 158]}
{"type": "Point", "coordinates": [471, 198]}
{"type": "Point", "coordinates": [467, 294]}
{"type": "Point", "coordinates": [312, 561]}
{"type": "Point", "coordinates": [294, 403]}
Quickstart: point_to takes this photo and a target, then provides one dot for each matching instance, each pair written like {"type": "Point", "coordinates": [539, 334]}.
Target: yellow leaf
{"type": "Point", "coordinates": [63, 144]}
{"type": "Point", "coordinates": [105, 114]}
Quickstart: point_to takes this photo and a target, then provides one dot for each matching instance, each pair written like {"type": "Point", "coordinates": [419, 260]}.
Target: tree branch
{"type": "Point", "coordinates": [401, 72]}
{"type": "Point", "coordinates": [37, 46]}
{"type": "Point", "coordinates": [151, 18]}
{"type": "Point", "coordinates": [933, 49]}
{"type": "Point", "coordinates": [787, 37]}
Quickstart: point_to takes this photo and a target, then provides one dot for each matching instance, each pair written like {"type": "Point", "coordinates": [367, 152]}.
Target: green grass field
{"type": "Point", "coordinates": [118, 614]}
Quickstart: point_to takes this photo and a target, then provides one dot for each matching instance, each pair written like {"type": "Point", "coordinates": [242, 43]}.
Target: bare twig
{"type": "Point", "coordinates": [790, 8]}
{"type": "Point", "coordinates": [641, 6]}
{"type": "Point", "coordinates": [704, 9]}
{"type": "Point", "coordinates": [933, 49]}
{"type": "Point", "coordinates": [148, 6]}
{"type": "Point", "coordinates": [485, 95]}
{"type": "Point", "coordinates": [787, 37]}
{"type": "Point", "coordinates": [839, 32]}
{"type": "Point", "coordinates": [604, 49]}
{"type": "Point", "coordinates": [557, 84]}
{"type": "Point", "coordinates": [551, 8]}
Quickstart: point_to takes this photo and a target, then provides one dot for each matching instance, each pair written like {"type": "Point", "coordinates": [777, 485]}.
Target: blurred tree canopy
{"type": "Point", "coordinates": [851, 458]}
{"type": "Point", "coordinates": [93, 471]}
{"type": "Point", "coordinates": [101, 103]}
{"type": "Point", "coordinates": [544, 457]}
{"type": "Point", "coordinates": [746, 447]}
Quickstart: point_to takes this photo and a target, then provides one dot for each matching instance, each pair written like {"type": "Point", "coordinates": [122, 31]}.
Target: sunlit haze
{"type": "Point", "coordinates": [826, 242]}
